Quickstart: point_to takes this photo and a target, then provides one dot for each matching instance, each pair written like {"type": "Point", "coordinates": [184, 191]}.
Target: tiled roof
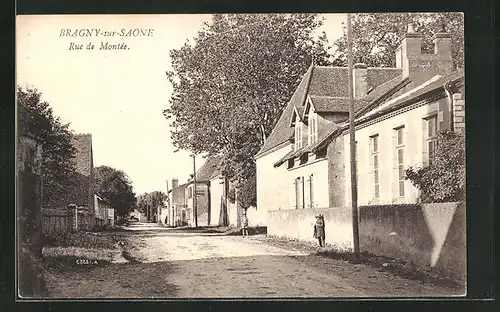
{"type": "Point", "coordinates": [321, 81]}
{"type": "Point", "coordinates": [282, 130]}
{"type": "Point", "coordinates": [417, 88]}
{"type": "Point", "coordinates": [83, 157]}
{"type": "Point", "coordinates": [207, 170]}
{"type": "Point", "coordinates": [79, 187]}
{"type": "Point", "coordinates": [410, 97]}
{"type": "Point", "coordinates": [327, 104]}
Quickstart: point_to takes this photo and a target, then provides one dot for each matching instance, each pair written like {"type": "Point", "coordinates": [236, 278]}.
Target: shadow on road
{"type": "Point", "coordinates": [259, 276]}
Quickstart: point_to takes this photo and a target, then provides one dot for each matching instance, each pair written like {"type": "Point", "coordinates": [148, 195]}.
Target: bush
{"type": "Point", "coordinates": [443, 180]}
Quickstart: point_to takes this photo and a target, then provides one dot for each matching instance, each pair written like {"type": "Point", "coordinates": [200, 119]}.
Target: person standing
{"type": "Point", "coordinates": [244, 221]}
{"type": "Point", "coordinates": [319, 230]}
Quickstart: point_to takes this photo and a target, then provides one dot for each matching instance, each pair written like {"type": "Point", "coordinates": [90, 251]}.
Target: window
{"type": "Point", "coordinates": [400, 154]}
{"type": "Point", "coordinates": [299, 192]}
{"type": "Point", "coordinates": [311, 201]}
{"type": "Point", "coordinates": [298, 135]}
{"type": "Point", "coordinates": [304, 158]}
{"type": "Point", "coordinates": [190, 192]}
{"type": "Point", "coordinates": [375, 164]}
{"type": "Point", "coordinates": [313, 128]}
{"type": "Point", "coordinates": [431, 140]}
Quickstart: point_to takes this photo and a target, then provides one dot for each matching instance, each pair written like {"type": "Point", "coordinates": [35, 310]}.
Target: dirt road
{"type": "Point", "coordinates": [172, 264]}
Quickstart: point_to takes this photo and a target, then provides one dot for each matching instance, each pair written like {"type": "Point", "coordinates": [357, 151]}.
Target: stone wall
{"type": "Point", "coordinates": [298, 224]}
{"type": "Point", "coordinates": [428, 234]}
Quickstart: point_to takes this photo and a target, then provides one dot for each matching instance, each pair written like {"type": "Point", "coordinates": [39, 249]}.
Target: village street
{"type": "Point", "coordinates": [168, 263]}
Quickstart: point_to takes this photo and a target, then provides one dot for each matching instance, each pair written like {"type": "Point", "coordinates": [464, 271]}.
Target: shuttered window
{"type": "Point", "coordinates": [431, 139]}
{"type": "Point", "coordinates": [400, 157]}
{"type": "Point", "coordinates": [313, 128]}
{"type": "Point", "coordinates": [375, 166]}
{"type": "Point", "coordinates": [310, 190]}
{"type": "Point", "coordinates": [298, 135]}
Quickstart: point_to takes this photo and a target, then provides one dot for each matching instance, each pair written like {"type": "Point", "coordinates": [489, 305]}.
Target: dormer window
{"type": "Point", "coordinates": [313, 127]}
{"type": "Point", "coordinates": [298, 135]}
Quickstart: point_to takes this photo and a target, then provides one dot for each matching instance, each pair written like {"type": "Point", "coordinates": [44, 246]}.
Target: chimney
{"type": "Point", "coordinates": [409, 51]}
{"type": "Point", "coordinates": [409, 55]}
{"type": "Point", "coordinates": [175, 183]}
{"type": "Point", "coordinates": [360, 82]}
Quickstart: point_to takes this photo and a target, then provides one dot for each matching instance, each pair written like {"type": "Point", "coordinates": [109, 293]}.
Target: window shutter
{"type": "Point", "coordinates": [394, 175]}
{"type": "Point", "coordinates": [425, 147]}
{"type": "Point", "coordinates": [311, 191]}
{"type": "Point", "coordinates": [302, 190]}
{"type": "Point", "coordinates": [294, 194]}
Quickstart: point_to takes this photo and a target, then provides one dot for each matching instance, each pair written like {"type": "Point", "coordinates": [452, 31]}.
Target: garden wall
{"type": "Point", "coordinates": [425, 234]}
{"type": "Point", "coordinates": [298, 224]}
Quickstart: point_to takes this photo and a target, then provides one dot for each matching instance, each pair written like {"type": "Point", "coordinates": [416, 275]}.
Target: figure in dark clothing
{"type": "Point", "coordinates": [244, 223]}
{"type": "Point", "coordinates": [319, 230]}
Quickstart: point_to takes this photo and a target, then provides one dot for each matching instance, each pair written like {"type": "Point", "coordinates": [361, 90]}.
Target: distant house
{"type": "Point", "coordinates": [162, 213]}
{"type": "Point", "coordinates": [138, 215]}
{"type": "Point", "coordinates": [104, 213]}
{"type": "Point", "coordinates": [80, 189]}
{"type": "Point", "coordinates": [213, 205]}
{"type": "Point", "coordinates": [203, 204]}
{"type": "Point", "coordinates": [178, 214]}
{"type": "Point", "coordinates": [111, 216]}
{"type": "Point", "coordinates": [223, 211]}
{"type": "Point", "coordinates": [305, 161]}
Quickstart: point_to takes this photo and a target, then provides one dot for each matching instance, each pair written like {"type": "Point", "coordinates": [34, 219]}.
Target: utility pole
{"type": "Point", "coordinates": [354, 184]}
{"type": "Point", "coordinates": [195, 201]}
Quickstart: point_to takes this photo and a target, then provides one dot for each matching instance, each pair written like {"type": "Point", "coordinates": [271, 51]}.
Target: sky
{"type": "Point", "coordinates": [116, 95]}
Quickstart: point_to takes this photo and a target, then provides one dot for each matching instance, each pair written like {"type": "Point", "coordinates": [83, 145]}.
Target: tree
{"type": "Point", "coordinates": [149, 202]}
{"type": "Point", "coordinates": [231, 83]}
{"type": "Point", "coordinates": [376, 36]}
{"type": "Point", "coordinates": [58, 152]}
{"type": "Point", "coordinates": [444, 179]}
{"type": "Point", "coordinates": [247, 193]}
{"type": "Point", "coordinates": [114, 186]}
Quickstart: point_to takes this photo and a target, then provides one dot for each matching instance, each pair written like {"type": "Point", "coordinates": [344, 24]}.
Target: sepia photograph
{"type": "Point", "coordinates": [228, 156]}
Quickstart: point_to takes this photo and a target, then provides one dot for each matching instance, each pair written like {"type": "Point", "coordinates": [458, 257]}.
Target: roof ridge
{"type": "Point", "coordinates": [392, 68]}
{"type": "Point", "coordinates": [329, 96]}
{"type": "Point", "coordinates": [325, 66]}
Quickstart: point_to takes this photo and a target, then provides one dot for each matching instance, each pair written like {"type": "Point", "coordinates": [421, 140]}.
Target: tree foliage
{"type": "Point", "coordinates": [444, 179]}
{"type": "Point", "coordinates": [149, 202]}
{"type": "Point", "coordinates": [376, 36]}
{"type": "Point", "coordinates": [114, 186]}
{"type": "Point", "coordinates": [247, 192]}
{"type": "Point", "coordinates": [231, 83]}
{"type": "Point", "coordinates": [58, 152]}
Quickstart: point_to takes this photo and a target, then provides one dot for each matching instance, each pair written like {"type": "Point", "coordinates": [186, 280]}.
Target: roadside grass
{"type": "Point", "coordinates": [398, 267]}
{"type": "Point", "coordinates": [81, 250]}
{"type": "Point", "coordinates": [80, 239]}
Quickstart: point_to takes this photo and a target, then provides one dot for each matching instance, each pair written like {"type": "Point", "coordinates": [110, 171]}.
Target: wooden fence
{"type": "Point", "coordinates": [57, 220]}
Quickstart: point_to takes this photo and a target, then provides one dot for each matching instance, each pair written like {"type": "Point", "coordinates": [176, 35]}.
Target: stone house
{"type": "Point", "coordinates": [177, 210]}
{"type": "Point", "coordinates": [305, 161]}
